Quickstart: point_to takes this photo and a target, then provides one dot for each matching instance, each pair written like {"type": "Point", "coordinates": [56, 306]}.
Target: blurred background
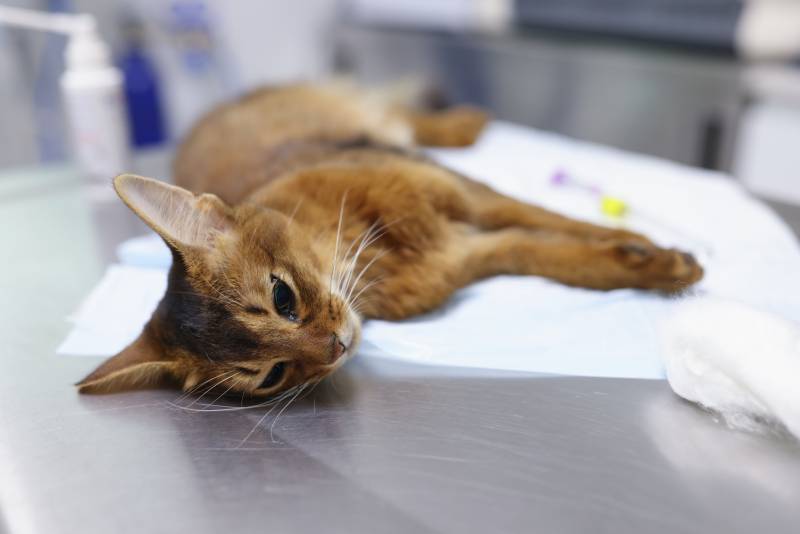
{"type": "Point", "coordinates": [707, 83]}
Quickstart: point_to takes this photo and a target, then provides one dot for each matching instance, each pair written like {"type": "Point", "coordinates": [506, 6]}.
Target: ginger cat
{"type": "Point", "coordinates": [304, 210]}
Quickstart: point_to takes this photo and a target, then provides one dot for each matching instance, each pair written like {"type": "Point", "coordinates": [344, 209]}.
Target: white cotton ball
{"type": "Point", "coordinates": [738, 361]}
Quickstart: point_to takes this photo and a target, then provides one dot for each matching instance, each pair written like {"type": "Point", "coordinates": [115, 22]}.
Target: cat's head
{"type": "Point", "coordinates": [249, 308]}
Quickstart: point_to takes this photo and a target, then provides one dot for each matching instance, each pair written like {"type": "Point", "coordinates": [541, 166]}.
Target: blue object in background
{"type": "Point", "coordinates": [143, 97]}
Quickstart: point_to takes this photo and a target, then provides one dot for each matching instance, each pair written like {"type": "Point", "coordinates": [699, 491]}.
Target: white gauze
{"type": "Point", "coordinates": [735, 360]}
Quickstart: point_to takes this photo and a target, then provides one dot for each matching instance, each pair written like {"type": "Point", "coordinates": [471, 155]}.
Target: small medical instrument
{"type": "Point", "coordinates": [619, 210]}
{"type": "Point", "coordinates": [611, 206]}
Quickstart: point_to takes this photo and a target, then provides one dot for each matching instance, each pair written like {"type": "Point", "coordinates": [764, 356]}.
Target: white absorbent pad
{"type": "Point", "coordinates": [736, 360]}
{"type": "Point", "coordinates": [528, 323]}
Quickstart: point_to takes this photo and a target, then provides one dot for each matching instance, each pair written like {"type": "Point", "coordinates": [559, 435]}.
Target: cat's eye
{"type": "Point", "coordinates": [274, 376]}
{"type": "Point", "coordinates": [283, 298]}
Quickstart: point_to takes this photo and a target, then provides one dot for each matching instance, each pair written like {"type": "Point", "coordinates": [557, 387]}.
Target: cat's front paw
{"type": "Point", "coordinates": [668, 270]}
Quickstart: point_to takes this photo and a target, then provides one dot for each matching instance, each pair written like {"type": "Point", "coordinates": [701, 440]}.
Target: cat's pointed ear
{"type": "Point", "coordinates": [142, 364]}
{"type": "Point", "coordinates": [180, 217]}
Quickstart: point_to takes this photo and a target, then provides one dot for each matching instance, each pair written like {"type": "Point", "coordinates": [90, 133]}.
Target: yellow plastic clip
{"type": "Point", "coordinates": [613, 207]}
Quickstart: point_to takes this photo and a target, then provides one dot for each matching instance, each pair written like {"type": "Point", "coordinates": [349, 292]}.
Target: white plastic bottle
{"type": "Point", "coordinates": [93, 98]}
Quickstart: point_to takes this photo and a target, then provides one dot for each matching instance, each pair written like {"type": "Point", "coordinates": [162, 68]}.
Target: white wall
{"type": "Point", "coordinates": [767, 156]}
{"type": "Point", "coordinates": [768, 159]}
{"type": "Point", "coordinates": [277, 40]}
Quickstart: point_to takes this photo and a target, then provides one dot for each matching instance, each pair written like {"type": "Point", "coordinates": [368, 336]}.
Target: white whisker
{"type": "Point", "coordinates": [356, 302]}
{"type": "Point", "coordinates": [276, 402]}
{"type": "Point", "coordinates": [365, 243]}
{"type": "Point", "coordinates": [275, 420]}
{"type": "Point", "coordinates": [228, 374]}
{"type": "Point", "coordinates": [223, 408]}
{"type": "Point", "coordinates": [198, 386]}
{"type": "Point", "coordinates": [338, 238]}
{"type": "Point", "coordinates": [294, 212]}
{"type": "Point", "coordinates": [367, 230]}
{"type": "Point", "coordinates": [212, 403]}
{"type": "Point", "coordinates": [364, 235]}
{"type": "Point", "coordinates": [241, 443]}
{"type": "Point", "coordinates": [369, 264]}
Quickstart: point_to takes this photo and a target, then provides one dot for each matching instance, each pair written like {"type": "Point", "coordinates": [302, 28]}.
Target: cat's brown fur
{"type": "Point", "coordinates": [320, 187]}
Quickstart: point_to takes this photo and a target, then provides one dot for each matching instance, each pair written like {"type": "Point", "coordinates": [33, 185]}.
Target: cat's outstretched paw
{"type": "Point", "coordinates": [667, 270]}
{"type": "Point", "coordinates": [458, 126]}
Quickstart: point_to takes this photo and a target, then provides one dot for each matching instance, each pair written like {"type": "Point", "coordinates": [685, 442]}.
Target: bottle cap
{"type": "Point", "coordinates": [85, 49]}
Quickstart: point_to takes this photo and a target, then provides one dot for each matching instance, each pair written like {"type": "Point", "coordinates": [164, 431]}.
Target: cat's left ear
{"type": "Point", "coordinates": [180, 217]}
{"type": "Point", "coordinates": [142, 364]}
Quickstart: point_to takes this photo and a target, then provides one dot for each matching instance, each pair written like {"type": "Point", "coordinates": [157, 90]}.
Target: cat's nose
{"type": "Point", "coordinates": [339, 348]}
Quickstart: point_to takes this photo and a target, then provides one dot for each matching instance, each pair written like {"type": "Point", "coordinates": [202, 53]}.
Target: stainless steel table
{"type": "Point", "coordinates": [382, 447]}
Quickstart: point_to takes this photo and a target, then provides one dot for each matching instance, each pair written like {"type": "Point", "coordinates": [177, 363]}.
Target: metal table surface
{"type": "Point", "coordinates": [381, 447]}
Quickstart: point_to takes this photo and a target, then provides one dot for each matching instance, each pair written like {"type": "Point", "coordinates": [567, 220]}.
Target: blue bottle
{"type": "Point", "coordinates": [142, 93]}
